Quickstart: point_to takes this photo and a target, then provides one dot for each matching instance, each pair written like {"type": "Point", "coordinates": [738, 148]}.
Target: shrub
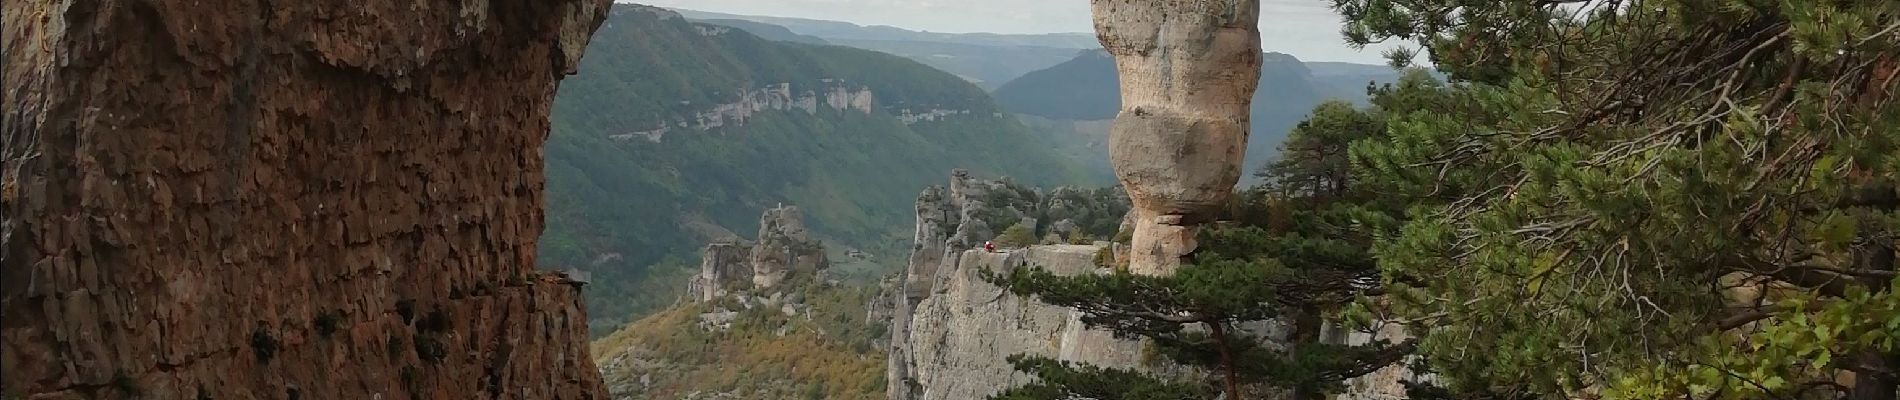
{"type": "Point", "coordinates": [1078, 237]}
{"type": "Point", "coordinates": [1105, 257]}
{"type": "Point", "coordinates": [1018, 235]}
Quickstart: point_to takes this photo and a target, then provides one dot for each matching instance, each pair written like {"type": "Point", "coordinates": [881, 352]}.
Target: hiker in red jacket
{"type": "Point", "coordinates": [989, 247]}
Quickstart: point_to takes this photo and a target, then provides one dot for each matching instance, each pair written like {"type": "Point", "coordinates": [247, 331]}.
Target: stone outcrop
{"type": "Point", "coordinates": [951, 332]}
{"type": "Point", "coordinates": [1188, 69]}
{"type": "Point", "coordinates": [834, 95]}
{"type": "Point", "coordinates": [960, 336]}
{"type": "Point", "coordinates": [778, 97]}
{"type": "Point", "coordinates": [284, 200]}
{"type": "Point", "coordinates": [1385, 383]}
{"type": "Point", "coordinates": [784, 248]}
{"type": "Point", "coordinates": [722, 267]}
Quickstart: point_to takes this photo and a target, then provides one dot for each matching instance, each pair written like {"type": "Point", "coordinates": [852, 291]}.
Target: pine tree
{"type": "Point", "coordinates": [1646, 199]}
{"type": "Point", "coordinates": [1293, 264]}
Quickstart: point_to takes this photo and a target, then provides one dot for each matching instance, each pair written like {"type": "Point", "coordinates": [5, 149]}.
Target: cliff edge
{"type": "Point", "coordinates": [961, 336]}
{"type": "Point", "coordinates": [951, 331]}
{"type": "Point", "coordinates": [284, 200]}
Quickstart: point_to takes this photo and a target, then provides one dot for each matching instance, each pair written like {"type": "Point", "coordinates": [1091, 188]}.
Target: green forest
{"type": "Point", "coordinates": [1661, 199]}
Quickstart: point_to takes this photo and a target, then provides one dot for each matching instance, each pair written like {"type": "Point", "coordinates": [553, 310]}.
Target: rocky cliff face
{"type": "Point", "coordinates": [960, 335]}
{"type": "Point", "coordinates": [837, 96]}
{"type": "Point", "coordinates": [1188, 69]}
{"type": "Point", "coordinates": [951, 332]}
{"type": "Point", "coordinates": [784, 247]}
{"type": "Point", "coordinates": [284, 200]}
{"type": "Point", "coordinates": [722, 266]}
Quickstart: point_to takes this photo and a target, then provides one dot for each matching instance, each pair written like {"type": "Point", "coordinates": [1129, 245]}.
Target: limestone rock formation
{"type": "Point", "coordinates": [783, 248]}
{"type": "Point", "coordinates": [960, 336]}
{"type": "Point", "coordinates": [722, 266]}
{"type": "Point", "coordinates": [284, 200]}
{"type": "Point", "coordinates": [1384, 384]}
{"type": "Point", "coordinates": [1188, 69]}
{"type": "Point", "coordinates": [950, 331]}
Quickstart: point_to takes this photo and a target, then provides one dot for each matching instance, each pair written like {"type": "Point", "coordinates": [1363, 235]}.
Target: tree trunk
{"type": "Point", "coordinates": [1306, 326]}
{"type": "Point", "coordinates": [1869, 385]}
{"type": "Point", "coordinates": [1875, 386]}
{"type": "Point", "coordinates": [1226, 359]}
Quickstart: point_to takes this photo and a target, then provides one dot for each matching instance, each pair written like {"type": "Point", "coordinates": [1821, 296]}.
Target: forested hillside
{"type": "Point", "coordinates": [1085, 89]}
{"type": "Point", "coordinates": [850, 31]}
{"type": "Point", "coordinates": [987, 66]}
{"type": "Point", "coordinates": [986, 59]}
{"type": "Point", "coordinates": [675, 132]}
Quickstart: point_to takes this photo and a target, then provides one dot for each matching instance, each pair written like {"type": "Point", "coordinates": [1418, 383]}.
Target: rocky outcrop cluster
{"type": "Point", "coordinates": [951, 332]}
{"type": "Point", "coordinates": [783, 248]}
{"type": "Point", "coordinates": [722, 266]}
{"type": "Point", "coordinates": [957, 338]}
{"type": "Point", "coordinates": [1188, 70]}
{"type": "Point", "coordinates": [284, 200]}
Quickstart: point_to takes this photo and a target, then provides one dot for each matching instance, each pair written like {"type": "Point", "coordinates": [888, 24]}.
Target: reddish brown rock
{"type": "Point", "coordinates": [284, 200]}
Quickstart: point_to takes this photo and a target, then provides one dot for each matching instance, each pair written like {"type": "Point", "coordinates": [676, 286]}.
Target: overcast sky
{"type": "Point", "coordinates": [1307, 29]}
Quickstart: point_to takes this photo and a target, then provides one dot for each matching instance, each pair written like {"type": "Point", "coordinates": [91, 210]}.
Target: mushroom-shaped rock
{"type": "Point", "coordinates": [1188, 69]}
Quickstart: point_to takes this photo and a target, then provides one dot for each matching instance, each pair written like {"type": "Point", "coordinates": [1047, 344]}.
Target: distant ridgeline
{"type": "Point", "coordinates": [986, 59]}
{"type": "Point", "coordinates": [675, 133]}
{"type": "Point", "coordinates": [1085, 89]}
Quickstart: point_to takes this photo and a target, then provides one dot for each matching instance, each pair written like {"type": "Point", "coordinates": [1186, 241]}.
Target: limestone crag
{"type": "Point", "coordinates": [951, 332]}
{"type": "Point", "coordinates": [1188, 70]}
{"type": "Point", "coordinates": [961, 335]}
{"type": "Point", "coordinates": [722, 267]}
{"type": "Point", "coordinates": [910, 117]}
{"type": "Point", "coordinates": [1386, 383]}
{"type": "Point", "coordinates": [284, 200]}
{"type": "Point", "coordinates": [783, 248]}
{"type": "Point", "coordinates": [835, 95]}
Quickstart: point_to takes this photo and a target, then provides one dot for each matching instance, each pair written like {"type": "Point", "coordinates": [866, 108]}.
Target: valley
{"type": "Point", "coordinates": [683, 126]}
{"type": "Point", "coordinates": [588, 200]}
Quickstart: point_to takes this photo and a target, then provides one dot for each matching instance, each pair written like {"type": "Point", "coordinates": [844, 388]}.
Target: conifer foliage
{"type": "Point", "coordinates": [1646, 199]}
{"type": "Point", "coordinates": [1618, 199]}
{"type": "Point", "coordinates": [1293, 251]}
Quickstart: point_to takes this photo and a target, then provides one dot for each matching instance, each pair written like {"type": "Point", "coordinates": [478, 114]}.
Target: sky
{"type": "Point", "coordinates": [1307, 29]}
